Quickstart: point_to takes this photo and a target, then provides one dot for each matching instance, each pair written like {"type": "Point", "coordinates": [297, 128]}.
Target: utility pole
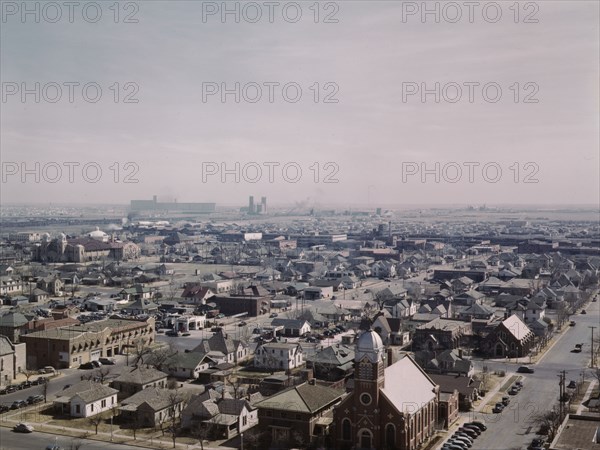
{"type": "Point", "coordinates": [561, 385]}
{"type": "Point", "coordinates": [593, 360]}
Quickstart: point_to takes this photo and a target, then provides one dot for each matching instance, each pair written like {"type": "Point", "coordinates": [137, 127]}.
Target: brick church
{"type": "Point", "coordinates": [390, 407]}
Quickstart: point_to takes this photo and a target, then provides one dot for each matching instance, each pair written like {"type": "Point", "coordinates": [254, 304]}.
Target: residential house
{"type": "Point", "coordinates": [222, 416]}
{"type": "Point", "coordinates": [233, 350]}
{"type": "Point", "coordinates": [292, 327]}
{"type": "Point", "coordinates": [404, 308]}
{"type": "Point", "coordinates": [86, 399]}
{"type": "Point", "coordinates": [467, 387]}
{"type": "Point", "coordinates": [140, 307]}
{"type": "Point", "coordinates": [197, 294]}
{"type": "Point", "coordinates": [333, 362]}
{"type": "Point", "coordinates": [51, 284]}
{"type": "Point", "coordinates": [450, 362]}
{"type": "Point", "coordinates": [136, 292]}
{"type": "Point", "coordinates": [442, 334]}
{"type": "Point", "coordinates": [390, 330]}
{"type": "Point", "coordinates": [152, 407]}
{"type": "Point", "coordinates": [135, 379]}
{"type": "Point", "coordinates": [279, 356]}
{"type": "Point", "coordinates": [10, 285]}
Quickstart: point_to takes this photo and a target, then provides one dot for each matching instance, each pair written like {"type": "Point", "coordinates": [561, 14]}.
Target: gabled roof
{"type": "Point", "coordinates": [140, 375]}
{"type": "Point", "coordinates": [403, 396]}
{"type": "Point", "coordinates": [88, 391]}
{"type": "Point", "coordinates": [516, 327]}
{"type": "Point", "coordinates": [156, 399]}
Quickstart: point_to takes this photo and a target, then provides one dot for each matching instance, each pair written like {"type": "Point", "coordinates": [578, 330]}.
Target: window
{"type": "Point", "coordinates": [77, 409]}
{"type": "Point", "coordinates": [244, 421]}
{"type": "Point", "coordinates": [365, 399]}
{"type": "Point", "coordinates": [346, 429]}
{"type": "Point", "coordinates": [103, 403]}
{"type": "Point", "coordinates": [92, 407]}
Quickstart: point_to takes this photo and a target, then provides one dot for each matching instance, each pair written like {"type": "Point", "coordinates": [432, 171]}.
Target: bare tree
{"type": "Point", "coordinates": [548, 421]}
{"type": "Point", "coordinates": [177, 402]}
{"type": "Point", "coordinates": [236, 384]}
{"type": "Point", "coordinates": [159, 357]}
{"type": "Point", "coordinates": [95, 421]}
{"type": "Point", "coordinates": [99, 375]}
{"type": "Point", "coordinates": [140, 351]}
{"type": "Point", "coordinates": [204, 431]}
{"type": "Point", "coordinates": [29, 373]}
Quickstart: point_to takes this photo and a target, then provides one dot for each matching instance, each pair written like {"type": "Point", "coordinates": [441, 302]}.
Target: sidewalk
{"type": "Point", "coordinates": [587, 395]}
{"type": "Point", "coordinates": [9, 420]}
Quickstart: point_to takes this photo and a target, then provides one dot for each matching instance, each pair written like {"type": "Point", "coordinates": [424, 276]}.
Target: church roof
{"type": "Point", "coordinates": [410, 396]}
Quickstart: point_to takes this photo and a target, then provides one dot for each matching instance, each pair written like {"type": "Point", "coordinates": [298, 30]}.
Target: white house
{"type": "Point", "coordinates": [279, 356]}
{"type": "Point", "coordinates": [86, 399]}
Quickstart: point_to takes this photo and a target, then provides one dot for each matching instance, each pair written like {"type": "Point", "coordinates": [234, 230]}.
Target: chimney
{"type": "Point", "coordinates": [460, 353]}
{"type": "Point", "coordinates": [390, 356]}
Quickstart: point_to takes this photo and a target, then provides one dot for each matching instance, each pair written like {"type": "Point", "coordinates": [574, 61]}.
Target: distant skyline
{"type": "Point", "coordinates": [363, 141]}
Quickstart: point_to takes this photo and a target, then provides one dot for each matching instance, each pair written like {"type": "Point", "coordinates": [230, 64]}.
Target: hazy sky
{"type": "Point", "coordinates": [373, 137]}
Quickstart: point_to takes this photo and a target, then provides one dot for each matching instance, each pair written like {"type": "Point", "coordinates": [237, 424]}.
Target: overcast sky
{"type": "Point", "coordinates": [367, 137]}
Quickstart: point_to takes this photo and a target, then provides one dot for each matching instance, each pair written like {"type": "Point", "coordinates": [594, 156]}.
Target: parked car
{"type": "Point", "coordinates": [107, 361]}
{"type": "Point", "coordinates": [505, 400]}
{"type": "Point", "coordinates": [186, 334]}
{"type": "Point", "coordinates": [572, 384]}
{"type": "Point", "coordinates": [513, 391]}
{"type": "Point", "coordinates": [11, 388]}
{"type": "Point", "coordinates": [583, 311]}
{"type": "Point", "coordinates": [519, 384]}
{"type": "Point", "coordinates": [576, 350]}
{"type": "Point", "coordinates": [242, 324]}
{"type": "Point", "coordinates": [469, 432]}
{"type": "Point", "coordinates": [53, 447]}
{"type": "Point", "coordinates": [536, 444]}
{"type": "Point", "coordinates": [17, 404]}
{"type": "Point", "coordinates": [572, 323]}
{"type": "Point", "coordinates": [498, 408]}
{"type": "Point", "coordinates": [23, 428]}
{"type": "Point", "coordinates": [525, 369]}
{"type": "Point", "coordinates": [273, 315]}
{"type": "Point", "coordinates": [478, 424]}
{"type": "Point", "coordinates": [3, 391]}
{"type": "Point", "coordinates": [473, 427]}
{"type": "Point", "coordinates": [33, 399]}
{"type": "Point", "coordinates": [4, 408]}
{"type": "Point", "coordinates": [87, 366]}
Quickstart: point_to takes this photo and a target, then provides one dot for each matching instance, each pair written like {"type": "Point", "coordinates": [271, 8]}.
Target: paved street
{"type": "Point", "coordinates": [513, 428]}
